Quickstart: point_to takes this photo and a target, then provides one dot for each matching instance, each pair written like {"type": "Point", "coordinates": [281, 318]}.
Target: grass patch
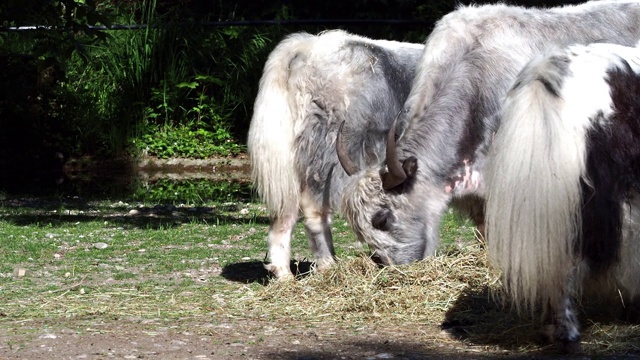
{"type": "Point", "coordinates": [120, 258]}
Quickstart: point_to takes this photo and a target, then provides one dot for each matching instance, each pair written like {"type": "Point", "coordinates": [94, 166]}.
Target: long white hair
{"type": "Point", "coordinates": [271, 134]}
{"type": "Point", "coordinates": [537, 166]}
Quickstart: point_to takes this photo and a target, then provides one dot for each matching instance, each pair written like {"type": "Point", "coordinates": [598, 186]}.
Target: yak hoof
{"type": "Point", "coordinates": [566, 343]}
{"type": "Point", "coordinates": [324, 264]}
{"type": "Point", "coordinates": [569, 347]}
{"type": "Point", "coordinates": [280, 273]}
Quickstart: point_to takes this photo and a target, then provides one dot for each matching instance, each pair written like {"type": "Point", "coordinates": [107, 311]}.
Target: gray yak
{"type": "Point", "coordinates": [562, 181]}
{"type": "Point", "coordinates": [309, 87]}
{"type": "Point", "coordinates": [471, 59]}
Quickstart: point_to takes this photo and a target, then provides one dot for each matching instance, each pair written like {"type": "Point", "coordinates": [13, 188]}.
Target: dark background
{"type": "Point", "coordinates": [70, 89]}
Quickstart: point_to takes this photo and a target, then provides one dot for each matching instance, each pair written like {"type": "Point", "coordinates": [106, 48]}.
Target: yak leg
{"type": "Point", "coordinates": [628, 268]}
{"type": "Point", "coordinates": [566, 334]}
{"type": "Point", "coordinates": [317, 223]}
{"type": "Point", "coordinates": [280, 232]}
{"type": "Point", "coordinates": [564, 321]}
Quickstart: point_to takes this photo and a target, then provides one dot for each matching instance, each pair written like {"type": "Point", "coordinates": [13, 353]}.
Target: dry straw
{"type": "Point", "coordinates": [457, 291]}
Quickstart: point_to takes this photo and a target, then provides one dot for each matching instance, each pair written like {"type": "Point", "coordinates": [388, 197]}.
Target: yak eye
{"type": "Point", "coordinates": [382, 219]}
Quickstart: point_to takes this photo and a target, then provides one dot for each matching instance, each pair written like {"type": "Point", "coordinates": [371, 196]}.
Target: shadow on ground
{"type": "Point", "coordinates": [480, 319]}
{"type": "Point", "coordinates": [254, 271]}
{"type": "Point", "coordinates": [394, 348]}
{"type": "Point", "coordinates": [56, 212]}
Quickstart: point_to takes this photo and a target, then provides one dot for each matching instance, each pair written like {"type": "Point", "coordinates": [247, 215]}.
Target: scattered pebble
{"type": "Point", "coordinates": [134, 212]}
{"type": "Point", "coordinates": [100, 245]}
{"type": "Point", "coordinates": [246, 258]}
{"type": "Point", "coordinates": [244, 211]}
{"type": "Point", "coordinates": [381, 356]}
{"type": "Point", "coordinates": [19, 272]}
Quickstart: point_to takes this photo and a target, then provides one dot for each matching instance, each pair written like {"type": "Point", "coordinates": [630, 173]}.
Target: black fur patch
{"type": "Point", "coordinates": [410, 166]}
{"type": "Point", "coordinates": [383, 219]}
{"type": "Point", "coordinates": [613, 169]}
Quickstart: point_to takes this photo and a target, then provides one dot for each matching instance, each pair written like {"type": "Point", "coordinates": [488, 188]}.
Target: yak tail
{"type": "Point", "coordinates": [271, 134]}
{"type": "Point", "coordinates": [534, 193]}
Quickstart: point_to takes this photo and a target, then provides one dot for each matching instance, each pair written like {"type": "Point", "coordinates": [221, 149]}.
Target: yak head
{"type": "Point", "coordinates": [389, 207]}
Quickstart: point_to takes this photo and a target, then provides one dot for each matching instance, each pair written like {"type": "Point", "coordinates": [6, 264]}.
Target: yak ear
{"type": "Point", "coordinates": [383, 219]}
{"type": "Point", "coordinates": [410, 166]}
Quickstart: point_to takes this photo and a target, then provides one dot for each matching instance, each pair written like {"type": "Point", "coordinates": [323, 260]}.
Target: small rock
{"type": "Point", "coordinates": [381, 356]}
{"type": "Point", "coordinates": [134, 212]}
{"type": "Point", "coordinates": [67, 274]}
{"type": "Point", "coordinates": [246, 258]}
{"type": "Point", "coordinates": [100, 245]}
{"type": "Point", "coordinates": [244, 211]}
{"type": "Point", "coordinates": [19, 272]}
{"type": "Point", "coordinates": [82, 291]}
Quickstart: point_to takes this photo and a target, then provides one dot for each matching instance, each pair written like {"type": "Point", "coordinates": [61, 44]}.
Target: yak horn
{"type": "Point", "coordinates": [396, 174]}
{"type": "Point", "coordinates": [343, 155]}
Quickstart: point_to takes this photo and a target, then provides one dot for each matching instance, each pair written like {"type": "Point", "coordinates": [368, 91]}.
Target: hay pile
{"type": "Point", "coordinates": [358, 290]}
{"type": "Point", "coordinates": [457, 291]}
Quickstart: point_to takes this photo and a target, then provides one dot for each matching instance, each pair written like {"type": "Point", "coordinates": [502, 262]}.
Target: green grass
{"type": "Point", "coordinates": [167, 261]}
{"type": "Point", "coordinates": [162, 261]}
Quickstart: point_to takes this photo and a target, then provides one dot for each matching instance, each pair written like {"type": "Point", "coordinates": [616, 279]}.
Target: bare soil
{"type": "Point", "coordinates": [202, 339]}
{"type": "Point", "coordinates": [228, 338]}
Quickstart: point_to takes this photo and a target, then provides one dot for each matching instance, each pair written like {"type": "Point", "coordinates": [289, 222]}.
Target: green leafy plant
{"type": "Point", "coordinates": [193, 191]}
{"type": "Point", "coordinates": [188, 142]}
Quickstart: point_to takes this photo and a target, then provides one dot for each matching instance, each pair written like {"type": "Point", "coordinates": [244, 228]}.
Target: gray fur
{"type": "Point", "coordinates": [451, 115]}
{"type": "Point", "coordinates": [310, 85]}
{"type": "Point", "coordinates": [471, 59]}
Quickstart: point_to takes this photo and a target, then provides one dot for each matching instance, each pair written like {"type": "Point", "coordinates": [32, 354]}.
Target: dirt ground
{"type": "Point", "coordinates": [233, 339]}
{"type": "Point", "coordinates": [237, 338]}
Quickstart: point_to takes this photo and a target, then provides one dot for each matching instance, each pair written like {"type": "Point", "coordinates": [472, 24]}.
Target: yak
{"type": "Point", "coordinates": [310, 86]}
{"type": "Point", "coordinates": [562, 183]}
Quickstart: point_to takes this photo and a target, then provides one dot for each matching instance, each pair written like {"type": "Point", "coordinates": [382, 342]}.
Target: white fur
{"type": "Point", "coordinates": [537, 160]}
{"type": "Point", "coordinates": [271, 134]}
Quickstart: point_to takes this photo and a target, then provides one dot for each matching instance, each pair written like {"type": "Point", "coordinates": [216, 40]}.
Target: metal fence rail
{"type": "Point", "coordinates": [333, 22]}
